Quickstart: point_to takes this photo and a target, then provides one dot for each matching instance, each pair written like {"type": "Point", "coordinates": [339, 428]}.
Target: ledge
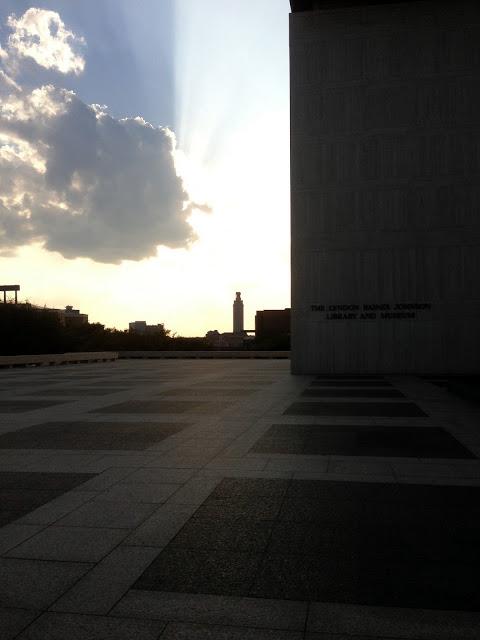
{"type": "Point", "coordinates": [220, 355]}
{"type": "Point", "coordinates": [317, 5]}
{"type": "Point", "coordinates": [56, 358]}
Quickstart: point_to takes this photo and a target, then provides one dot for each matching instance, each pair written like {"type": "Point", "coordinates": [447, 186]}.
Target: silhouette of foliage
{"type": "Point", "coordinates": [29, 330]}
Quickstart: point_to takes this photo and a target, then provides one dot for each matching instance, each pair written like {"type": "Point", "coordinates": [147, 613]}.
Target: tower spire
{"type": "Point", "coordinates": [238, 314]}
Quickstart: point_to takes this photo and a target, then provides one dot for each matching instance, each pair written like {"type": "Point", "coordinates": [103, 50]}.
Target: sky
{"type": "Point", "coordinates": [144, 158]}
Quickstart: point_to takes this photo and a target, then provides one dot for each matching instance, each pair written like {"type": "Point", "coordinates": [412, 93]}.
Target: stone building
{"type": "Point", "coordinates": [385, 181]}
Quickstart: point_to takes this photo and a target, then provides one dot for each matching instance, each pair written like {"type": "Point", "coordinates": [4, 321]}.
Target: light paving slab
{"type": "Point", "coordinates": [298, 463]}
{"type": "Point", "coordinates": [100, 589]}
{"type": "Point", "coordinates": [36, 584]}
{"type": "Point", "coordinates": [162, 526]}
{"type": "Point", "coordinates": [239, 464]}
{"type": "Point", "coordinates": [58, 626]}
{"type": "Point", "coordinates": [359, 467]}
{"type": "Point", "coordinates": [195, 491]}
{"type": "Point", "coordinates": [57, 508]}
{"type": "Point", "coordinates": [107, 478]}
{"type": "Point", "coordinates": [158, 476]}
{"type": "Point", "coordinates": [69, 544]}
{"type": "Point", "coordinates": [148, 493]}
{"type": "Point", "coordinates": [116, 515]}
{"type": "Point", "coordinates": [12, 621]}
{"type": "Point", "coordinates": [209, 609]}
{"type": "Point", "coordinates": [13, 534]}
{"type": "Point", "coordinates": [185, 631]}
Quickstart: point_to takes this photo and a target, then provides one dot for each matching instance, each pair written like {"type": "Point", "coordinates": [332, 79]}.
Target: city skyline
{"type": "Point", "coordinates": [220, 85]}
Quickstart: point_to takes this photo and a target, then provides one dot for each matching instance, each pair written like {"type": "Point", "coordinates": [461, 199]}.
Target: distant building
{"type": "Point", "coordinates": [141, 327]}
{"type": "Point", "coordinates": [224, 340]}
{"type": "Point", "coordinates": [69, 316]}
{"type": "Point", "coordinates": [272, 324]}
{"type": "Point", "coordinates": [73, 318]}
{"type": "Point", "coordinates": [238, 315]}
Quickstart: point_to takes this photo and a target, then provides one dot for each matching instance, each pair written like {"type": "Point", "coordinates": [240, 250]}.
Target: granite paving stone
{"type": "Point", "coordinates": [102, 587]}
{"type": "Point", "coordinates": [158, 475]}
{"type": "Point", "coordinates": [69, 544]}
{"type": "Point", "coordinates": [36, 584]}
{"type": "Point", "coordinates": [211, 509]}
{"type": "Point", "coordinates": [52, 511]}
{"type": "Point", "coordinates": [21, 406]}
{"type": "Point", "coordinates": [59, 626]}
{"type": "Point", "coordinates": [78, 391]}
{"type": "Point", "coordinates": [23, 492]}
{"type": "Point", "coordinates": [146, 493]}
{"type": "Point", "coordinates": [360, 543]}
{"type": "Point", "coordinates": [116, 515]}
{"type": "Point", "coordinates": [195, 491]}
{"type": "Point", "coordinates": [164, 406]}
{"type": "Point", "coordinates": [208, 392]}
{"type": "Point", "coordinates": [159, 529]}
{"type": "Point", "coordinates": [90, 435]}
{"type": "Point", "coordinates": [107, 478]}
{"type": "Point", "coordinates": [347, 376]}
{"type": "Point", "coordinates": [13, 534]}
{"type": "Point", "coordinates": [361, 440]}
{"type": "Point", "coordinates": [184, 631]}
{"type": "Point", "coordinates": [393, 409]}
{"type": "Point", "coordinates": [12, 621]}
{"type": "Point", "coordinates": [391, 622]}
{"type": "Point", "coordinates": [350, 383]}
{"type": "Point", "coordinates": [316, 392]}
{"type": "Point", "coordinates": [213, 609]}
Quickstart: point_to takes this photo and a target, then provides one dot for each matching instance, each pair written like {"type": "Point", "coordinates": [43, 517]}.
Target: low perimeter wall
{"type": "Point", "coordinates": [56, 358]}
{"type": "Point", "coordinates": [221, 355]}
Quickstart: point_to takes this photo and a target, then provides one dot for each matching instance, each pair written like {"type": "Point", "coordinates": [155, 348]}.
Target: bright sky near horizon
{"type": "Point", "coordinates": [144, 158]}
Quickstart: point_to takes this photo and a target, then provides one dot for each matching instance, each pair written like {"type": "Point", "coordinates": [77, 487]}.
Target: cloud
{"type": "Point", "coordinates": [86, 184]}
{"type": "Point", "coordinates": [72, 177]}
{"type": "Point", "coordinates": [41, 35]}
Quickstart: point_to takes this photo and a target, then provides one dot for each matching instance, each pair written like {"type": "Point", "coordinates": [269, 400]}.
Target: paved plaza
{"type": "Point", "coordinates": [204, 499]}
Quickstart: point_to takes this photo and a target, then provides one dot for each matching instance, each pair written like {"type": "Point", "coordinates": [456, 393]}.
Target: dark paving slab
{"type": "Point", "coordinates": [438, 381]}
{"type": "Point", "coordinates": [347, 376]}
{"type": "Point", "coordinates": [185, 631]}
{"type": "Point", "coordinates": [248, 381]}
{"type": "Point", "coordinates": [22, 492]}
{"type": "Point", "coordinates": [12, 621]}
{"type": "Point", "coordinates": [248, 385]}
{"type": "Point", "coordinates": [208, 391]}
{"type": "Point", "coordinates": [69, 544]}
{"type": "Point", "coordinates": [355, 543]}
{"type": "Point", "coordinates": [79, 392]}
{"type": "Point", "coordinates": [256, 613]}
{"type": "Point", "coordinates": [352, 383]}
{"type": "Point", "coordinates": [21, 406]}
{"type": "Point", "coordinates": [146, 381]}
{"type": "Point", "coordinates": [36, 584]}
{"type": "Point", "coordinates": [91, 435]}
{"type": "Point", "coordinates": [59, 626]}
{"type": "Point", "coordinates": [352, 622]}
{"type": "Point", "coordinates": [163, 406]}
{"type": "Point", "coordinates": [386, 409]}
{"type": "Point", "coordinates": [361, 440]}
{"type": "Point", "coordinates": [352, 393]}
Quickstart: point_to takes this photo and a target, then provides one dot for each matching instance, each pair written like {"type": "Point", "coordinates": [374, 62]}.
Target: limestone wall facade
{"type": "Point", "coordinates": [385, 176]}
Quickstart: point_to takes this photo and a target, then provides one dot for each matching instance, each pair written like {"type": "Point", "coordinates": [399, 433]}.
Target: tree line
{"type": "Point", "coordinates": [25, 329]}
